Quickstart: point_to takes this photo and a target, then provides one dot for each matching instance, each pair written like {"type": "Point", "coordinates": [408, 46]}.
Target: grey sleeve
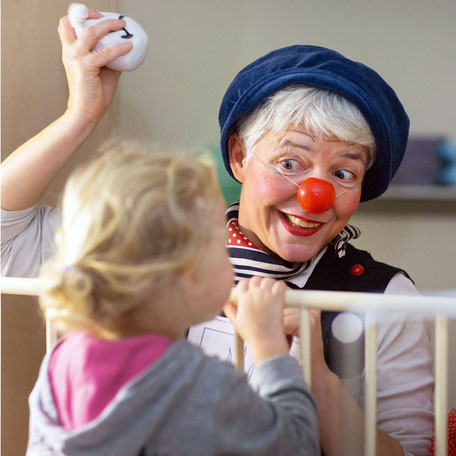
{"type": "Point", "coordinates": [14, 222]}
{"type": "Point", "coordinates": [27, 239]}
{"type": "Point", "coordinates": [279, 418]}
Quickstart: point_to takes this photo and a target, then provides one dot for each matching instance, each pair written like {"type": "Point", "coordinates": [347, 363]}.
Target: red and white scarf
{"type": "Point", "coordinates": [249, 260]}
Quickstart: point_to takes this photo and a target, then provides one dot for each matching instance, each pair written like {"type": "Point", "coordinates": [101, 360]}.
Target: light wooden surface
{"type": "Point", "coordinates": [34, 93]}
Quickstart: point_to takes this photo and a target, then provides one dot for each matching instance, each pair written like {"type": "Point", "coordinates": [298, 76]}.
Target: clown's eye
{"type": "Point", "coordinates": [344, 174]}
{"type": "Point", "coordinates": [288, 164]}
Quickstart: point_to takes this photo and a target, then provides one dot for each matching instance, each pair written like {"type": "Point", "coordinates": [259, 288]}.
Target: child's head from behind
{"type": "Point", "coordinates": [138, 231]}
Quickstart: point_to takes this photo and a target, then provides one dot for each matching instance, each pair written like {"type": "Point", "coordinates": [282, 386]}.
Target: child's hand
{"type": "Point", "coordinates": [258, 316]}
{"type": "Point", "coordinates": [91, 85]}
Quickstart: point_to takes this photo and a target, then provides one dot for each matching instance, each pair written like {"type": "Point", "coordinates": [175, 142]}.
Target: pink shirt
{"type": "Point", "coordinates": [86, 373]}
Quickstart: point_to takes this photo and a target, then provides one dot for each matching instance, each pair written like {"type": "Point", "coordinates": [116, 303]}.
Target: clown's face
{"type": "Point", "coordinates": [270, 214]}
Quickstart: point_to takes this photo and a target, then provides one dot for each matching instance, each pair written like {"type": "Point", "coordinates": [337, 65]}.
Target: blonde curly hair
{"type": "Point", "coordinates": [132, 221]}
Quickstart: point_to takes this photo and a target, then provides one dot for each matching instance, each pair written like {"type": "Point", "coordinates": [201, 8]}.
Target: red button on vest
{"type": "Point", "coordinates": [356, 270]}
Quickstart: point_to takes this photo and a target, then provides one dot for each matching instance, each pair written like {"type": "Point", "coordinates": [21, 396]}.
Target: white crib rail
{"type": "Point", "coordinates": [370, 304]}
{"type": "Point", "coordinates": [441, 384]}
{"type": "Point", "coordinates": [438, 308]}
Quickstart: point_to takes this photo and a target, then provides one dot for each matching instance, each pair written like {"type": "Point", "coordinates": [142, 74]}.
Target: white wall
{"type": "Point", "coordinates": [198, 46]}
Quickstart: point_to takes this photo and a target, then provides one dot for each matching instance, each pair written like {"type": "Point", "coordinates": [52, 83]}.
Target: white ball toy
{"type": "Point", "coordinates": [78, 15]}
{"type": "Point", "coordinates": [347, 327]}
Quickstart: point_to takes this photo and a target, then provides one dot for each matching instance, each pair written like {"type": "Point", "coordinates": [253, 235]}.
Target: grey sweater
{"type": "Point", "coordinates": [187, 404]}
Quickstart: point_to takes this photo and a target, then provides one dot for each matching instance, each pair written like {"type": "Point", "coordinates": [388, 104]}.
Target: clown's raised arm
{"type": "Point", "coordinates": [27, 229]}
{"type": "Point", "coordinates": [28, 171]}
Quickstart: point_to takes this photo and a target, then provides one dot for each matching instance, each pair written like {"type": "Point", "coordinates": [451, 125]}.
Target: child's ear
{"type": "Point", "coordinates": [236, 153]}
{"type": "Point", "coordinates": [191, 281]}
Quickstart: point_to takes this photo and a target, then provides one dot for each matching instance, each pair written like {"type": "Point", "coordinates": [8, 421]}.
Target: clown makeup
{"type": "Point", "coordinates": [314, 195]}
{"type": "Point", "coordinates": [270, 213]}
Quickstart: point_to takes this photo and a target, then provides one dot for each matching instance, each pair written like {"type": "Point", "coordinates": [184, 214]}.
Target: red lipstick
{"type": "Point", "coordinates": [297, 230]}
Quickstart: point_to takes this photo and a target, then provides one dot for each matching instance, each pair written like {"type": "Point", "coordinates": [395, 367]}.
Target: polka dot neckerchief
{"type": "Point", "coordinates": [236, 237]}
{"type": "Point", "coordinates": [250, 260]}
{"type": "Point", "coordinates": [451, 436]}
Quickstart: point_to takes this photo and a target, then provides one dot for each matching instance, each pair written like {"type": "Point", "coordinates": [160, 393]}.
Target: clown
{"type": "Point", "coordinates": [310, 134]}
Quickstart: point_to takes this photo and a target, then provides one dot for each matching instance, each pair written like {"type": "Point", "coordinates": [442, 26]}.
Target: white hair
{"type": "Point", "coordinates": [324, 112]}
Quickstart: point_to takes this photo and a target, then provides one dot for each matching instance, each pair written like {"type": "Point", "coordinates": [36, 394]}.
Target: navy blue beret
{"type": "Point", "coordinates": [320, 67]}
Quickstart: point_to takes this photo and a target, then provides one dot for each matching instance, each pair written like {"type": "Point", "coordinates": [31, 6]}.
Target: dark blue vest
{"type": "Point", "coordinates": [334, 274]}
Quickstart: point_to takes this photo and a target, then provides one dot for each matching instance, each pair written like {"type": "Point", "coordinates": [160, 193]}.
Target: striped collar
{"type": "Point", "coordinates": [249, 260]}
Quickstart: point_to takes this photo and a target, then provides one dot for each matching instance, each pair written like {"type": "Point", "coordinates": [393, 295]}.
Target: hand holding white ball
{"type": "Point", "coordinates": [78, 15]}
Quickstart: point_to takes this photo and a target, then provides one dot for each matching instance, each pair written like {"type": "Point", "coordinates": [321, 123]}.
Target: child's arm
{"type": "Point", "coordinates": [258, 317]}
{"type": "Point", "coordinates": [284, 421]}
{"type": "Point", "coordinates": [29, 170]}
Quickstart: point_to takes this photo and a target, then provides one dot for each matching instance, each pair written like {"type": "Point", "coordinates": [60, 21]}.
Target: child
{"type": "Point", "coordinates": [140, 258]}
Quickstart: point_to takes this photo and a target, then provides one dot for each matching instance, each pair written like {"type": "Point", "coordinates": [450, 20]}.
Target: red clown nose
{"type": "Point", "coordinates": [316, 195]}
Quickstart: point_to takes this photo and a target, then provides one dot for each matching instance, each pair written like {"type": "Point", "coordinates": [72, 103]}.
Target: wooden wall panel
{"type": "Point", "coordinates": [34, 92]}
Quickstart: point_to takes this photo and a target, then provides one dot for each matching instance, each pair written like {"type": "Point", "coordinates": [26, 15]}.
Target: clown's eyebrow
{"type": "Point", "coordinates": [285, 142]}
{"type": "Point", "coordinates": [300, 145]}
{"type": "Point", "coordinates": [352, 156]}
